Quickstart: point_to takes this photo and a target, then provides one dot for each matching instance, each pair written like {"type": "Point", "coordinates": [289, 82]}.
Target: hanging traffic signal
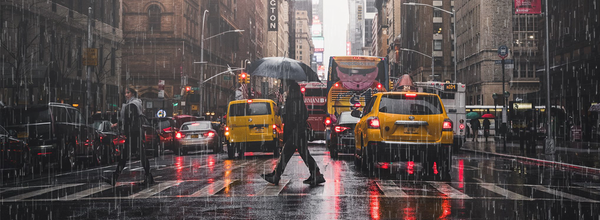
{"type": "Point", "coordinates": [247, 80]}
{"type": "Point", "coordinates": [242, 78]}
{"type": "Point", "coordinates": [188, 89]}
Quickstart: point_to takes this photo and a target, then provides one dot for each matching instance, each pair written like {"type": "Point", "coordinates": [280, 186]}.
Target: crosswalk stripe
{"type": "Point", "coordinates": [449, 191]}
{"type": "Point", "coordinates": [154, 189]}
{"type": "Point", "coordinates": [86, 192]}
{"type": "Point", "coordinates": [273, 190]}
{"type": "Point", "coordinates": [390, 189]}
{"type": "Point", "coordinates": [41, 191]}
{"type": "Point", "coordinates": [212, 188]}
{"type": "Point", "coordinates": [504, 192]}
{"type": "Point", "coordinates": [562, 194]}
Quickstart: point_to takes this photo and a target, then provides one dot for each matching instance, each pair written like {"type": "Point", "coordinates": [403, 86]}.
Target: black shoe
{"type": "Point", "coordinates": [271, 178]}
{"type": "Point", "coordinates": [148, 179]}
{"type": "Point", "coordinates": [318, 180]}
{"type": "Point", "coordinates": [309, 180]}
{"type": "Point", "coordinates": [110, 180]}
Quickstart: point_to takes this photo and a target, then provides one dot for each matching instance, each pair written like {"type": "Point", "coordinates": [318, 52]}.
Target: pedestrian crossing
{"type": "Point", "coordinates": [293, 187]}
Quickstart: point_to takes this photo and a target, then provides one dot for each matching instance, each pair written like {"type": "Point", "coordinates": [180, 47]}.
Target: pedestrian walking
{"type": "Point", "coordinates": [486, 128]}
{"type": "Point", "coordinates": [475, 127]}
{"type": "Point", "coordinates": [130, 124]}
{"type": "Point", "coordinates": [295, 138]}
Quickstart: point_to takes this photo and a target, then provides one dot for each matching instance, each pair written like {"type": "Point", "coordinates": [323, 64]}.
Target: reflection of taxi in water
{"type": "Point", "coordinates": [405, 126]}
{"type": "Point", "coordinates": [253, 125]}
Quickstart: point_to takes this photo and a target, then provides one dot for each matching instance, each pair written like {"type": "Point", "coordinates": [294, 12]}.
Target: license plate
{"type": "Point", "coordinates": [22, 135]}
{"type": "Point", "coordinates": [259, 130]}
{"type": "Point", "coordinates": [194, 136]}
{"type": "Point", "coordinates": [411, 130]}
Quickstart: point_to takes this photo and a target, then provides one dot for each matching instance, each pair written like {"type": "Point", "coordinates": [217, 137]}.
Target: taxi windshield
{"type": "Point", "coordinates": [419, 105]}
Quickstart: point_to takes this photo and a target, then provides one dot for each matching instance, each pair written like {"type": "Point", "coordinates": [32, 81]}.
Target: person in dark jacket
{"type": "Point", "coordinates": [295, 137]}
{"type": "Point", "coordinates": [130, 124]}
{"type": "Point", "coordinates": [475, 127]}
{"type": "Point", "coordinates": [486, 128]}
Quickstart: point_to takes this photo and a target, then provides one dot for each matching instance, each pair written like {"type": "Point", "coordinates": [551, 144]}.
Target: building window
{"type": "Point", "coordinates": [437, 28]}
{"type": "Point", "coordinates": [154, 18]}
{"type": "Point", "coordinates": [437, 45]}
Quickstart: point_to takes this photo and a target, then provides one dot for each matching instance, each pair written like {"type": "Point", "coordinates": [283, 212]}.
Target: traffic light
{"type": "Point", "coordinates": [188, 89]}
{"type": "Point", "coordinates": [247, 81]}
{"type": "Point", "coordinates": [242, 78]}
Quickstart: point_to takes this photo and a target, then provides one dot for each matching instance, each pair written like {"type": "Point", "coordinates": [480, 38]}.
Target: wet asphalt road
{"type": "Point", "coordinates": [206, 185]}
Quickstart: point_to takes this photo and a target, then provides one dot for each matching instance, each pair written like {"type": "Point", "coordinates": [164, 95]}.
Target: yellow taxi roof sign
{"type": "Point", "coordinates": [405, 84]}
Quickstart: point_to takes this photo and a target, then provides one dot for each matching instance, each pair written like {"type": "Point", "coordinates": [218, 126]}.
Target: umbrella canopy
{"type": "Point", "coordinates": [473, 115]}
{"type": "Point", "coordinates": [282, 68]}
{"type": "Point", "coordinates": [488, 115]}
{"type": "Point", "coordinates": [595, 108]}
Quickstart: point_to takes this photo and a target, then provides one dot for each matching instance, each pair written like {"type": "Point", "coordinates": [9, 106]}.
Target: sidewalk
{"type": "Point", "coordinates": [577, 155]}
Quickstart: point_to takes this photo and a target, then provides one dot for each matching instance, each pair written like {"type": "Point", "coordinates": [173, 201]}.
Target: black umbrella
{"type": "Point", "coordinates": [282, 68]}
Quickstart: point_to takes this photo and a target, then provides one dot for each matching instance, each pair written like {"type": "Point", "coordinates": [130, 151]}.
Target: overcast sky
{"type": "Point", "coordinates": [335, 23]}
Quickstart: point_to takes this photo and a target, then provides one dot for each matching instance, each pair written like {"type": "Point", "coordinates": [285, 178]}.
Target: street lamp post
{"type": "Point", "coordinates": [430, 57]}
{"type": "Point", "coordinates": [202, 39]}
{"type": "Point", "coordinates": [453, 13]}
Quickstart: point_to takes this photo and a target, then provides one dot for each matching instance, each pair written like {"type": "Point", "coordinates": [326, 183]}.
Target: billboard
{"type": "Point", "coordinates": [528, 6]}
{"type": "Point", "coordinates": [319, 43]}
{"type": "Point", "coordinates": [272, 19]}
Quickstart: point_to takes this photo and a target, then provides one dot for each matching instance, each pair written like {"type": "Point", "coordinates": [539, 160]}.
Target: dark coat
{"type": "Point", "coordinates": [132, 120]}
{"type": "Point", "coordinates": [475, 124]}
{"type": "Point", "coordinates": [486, 123]}
{"type": "Point", "coordinates": [295, 116]}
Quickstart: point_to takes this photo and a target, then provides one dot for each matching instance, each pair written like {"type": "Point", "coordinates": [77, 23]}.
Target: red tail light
{"type": "Point", "coordinates": [447, 126]}
{"type": "Point", "coordinates": [209, 134]}
{"type": "Point", "coordinates": [302, 90]}
{"type": "Point", "coordinates": [249, 101]}
{"type": "Point", "coordinates": [410, 167]}
{"type": "Point", "coordinates": [179, 135]}
{"type": "Point", "coordinates": [167, 129]}
{"type": "Point", "coordinates": [226, 128]}
{"type": "Point", "coordinates": [373, 122]}
{"type": "Point", "coordinates": [336, 85]}
{"type": "Point", "coordinates": [357, 105]}
{"type": "Point", "coordinates": [410, 95]}
{"type": "Point", "coordinates": [119, 141]}
{"type": "Point", "coordinates": [327, 121]}
{"type": "Point", "coordinates": [340, 129]}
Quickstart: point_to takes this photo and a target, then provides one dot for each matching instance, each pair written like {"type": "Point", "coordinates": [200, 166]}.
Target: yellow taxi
{"type": "Point", "coordinates": [404, 129]}
{"type": "Point", "coordinates": [253, 125]}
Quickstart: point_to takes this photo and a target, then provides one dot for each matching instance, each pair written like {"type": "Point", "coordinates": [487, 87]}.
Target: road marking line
{"type": "Point", "coordinates": [449, 191]}
{"type": "Point", "coordinates": [154, 189]}
{"type": "Point", "coordinates": [40, 192]}
{"type": "Point", "coordinates": [273, 190]}
{"type": "Point", "coordinates": [562, 194]}
{"type": "Point", "coordinates": [504, 192]}
{"type": "Point", "coordinates": [86, 192]}
{"type": "Point", "coordinates": [390, 189]}
{"type": "Point", "coordinates": [212, 188]}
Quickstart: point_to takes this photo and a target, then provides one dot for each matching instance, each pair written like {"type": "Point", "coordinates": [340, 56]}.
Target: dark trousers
{"type": "Point", "coordinates": [297, 140]}
{"type": "Point", "coordinates": [133, 142]}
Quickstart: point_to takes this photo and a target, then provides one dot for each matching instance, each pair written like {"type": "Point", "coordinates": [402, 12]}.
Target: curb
{"type": "Point", "coordinates": [578, 168]}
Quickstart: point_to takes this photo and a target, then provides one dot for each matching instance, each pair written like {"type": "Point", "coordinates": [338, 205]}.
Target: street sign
{"type": "Point", "coordinates": [507, 61]}
{"type": "Point", "coordinates": [503, 51]}
{"type": "Point", "coordinates": [161, 113]}
{"type": "Point", "coordinates": [194, 107]}
{"type": "Point", "coordinates": [226, 77]}
{"type": "Point", "coordinates": [509, 66]}
{"type": "Point", "coordinates": [161, 93]}
{"type": "Point", "coordinates": [90, 57]}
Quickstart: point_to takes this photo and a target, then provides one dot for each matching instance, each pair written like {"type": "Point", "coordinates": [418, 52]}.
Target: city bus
{"type": "Point", "coordinates": [315, 98]}
{"type": "Point", "coordinates": [351, 82]}
{"type": "Point", "coordinates": [454, 100]}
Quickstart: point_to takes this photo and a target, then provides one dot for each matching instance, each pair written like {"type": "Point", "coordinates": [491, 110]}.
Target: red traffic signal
{"type": "Point", "coordinates": [188, 88]}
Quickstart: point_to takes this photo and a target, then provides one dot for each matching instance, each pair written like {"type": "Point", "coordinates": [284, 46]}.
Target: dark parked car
{"type": "Point", "coordinates": [342, 136]}
{"type": "Point", "coordinates": [166, 129]}
{"type": "Point", "coordinates": [55, 133]}
{"type": "Point", "coordinates": [108, 149]}
{"type": "Point", "coordinates": [15, 153]}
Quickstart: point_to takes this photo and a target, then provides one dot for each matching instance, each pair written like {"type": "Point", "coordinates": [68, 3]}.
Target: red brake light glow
{"type": "Point", "coordinates": [340, 129]}
{"type": "Point", "coordinates": [379, 85]}
{"type": "Point", "coordinates": [179, 135]}
{"type": "Point", "coordinates": [357, 105]}
{"type": "Point", "coordinates": [209, 134]}
{"type": "Point", "coordinates": [373, 122]}
{"type": "Point", "coordinates": [274, 126]}
{"type": "Point", "coordinates": [410, 95]}
{"type": "Point", "coordinates": [249, 100]}
{"type": "Point", "coordinates": [447, 126]}
{"type": "Point", "coordinates": [336, 85]}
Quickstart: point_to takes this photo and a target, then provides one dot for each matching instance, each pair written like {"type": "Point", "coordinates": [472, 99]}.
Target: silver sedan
{"type": "Point", "coordinates": [197, 135]}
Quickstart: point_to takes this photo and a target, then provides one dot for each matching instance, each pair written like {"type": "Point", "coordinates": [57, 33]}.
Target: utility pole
{"type": "Point", "coordinates": [89, 67]}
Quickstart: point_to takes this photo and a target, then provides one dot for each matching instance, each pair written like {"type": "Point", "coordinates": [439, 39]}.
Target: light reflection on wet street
{"type": "Point", "coordinates": [207, 185]}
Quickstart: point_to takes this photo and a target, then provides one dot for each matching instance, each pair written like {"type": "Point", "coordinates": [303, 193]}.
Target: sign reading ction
{"type": "Point", "coordinates": [272, 19]}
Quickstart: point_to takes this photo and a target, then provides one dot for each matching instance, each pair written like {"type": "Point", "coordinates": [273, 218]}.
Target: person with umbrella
{"type": "Point", "coordinates": [295, 137]}
{"type": "Point", "coordinates": [486, 128]}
